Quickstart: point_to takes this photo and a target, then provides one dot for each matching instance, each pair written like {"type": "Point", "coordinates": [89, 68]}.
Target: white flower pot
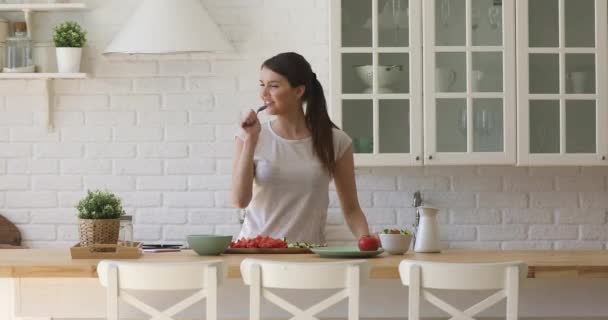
{"type": "Point", "coordinates": [68, 60]}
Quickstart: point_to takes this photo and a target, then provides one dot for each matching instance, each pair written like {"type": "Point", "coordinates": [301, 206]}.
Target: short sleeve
{"type": "Point", "coordinates": [341, 142]}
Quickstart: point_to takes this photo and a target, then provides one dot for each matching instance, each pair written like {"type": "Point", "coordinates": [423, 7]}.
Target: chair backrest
{"type": "Point", "coordinates": [347, 275]}
{"type": "Point", "coordinates": [460, 276]}
{"type": "Point", "coordinates": [502, 276]}
{"type": "Point", "coordinates": [160, 276]}
{"type": "Point", "coordinates": [203, 276]}
{"type": "Point", "coordinates": [304, 275]}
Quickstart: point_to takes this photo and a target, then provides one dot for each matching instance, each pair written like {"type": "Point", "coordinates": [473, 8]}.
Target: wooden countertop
{"type": "Point", "coordinates": [46, 263]}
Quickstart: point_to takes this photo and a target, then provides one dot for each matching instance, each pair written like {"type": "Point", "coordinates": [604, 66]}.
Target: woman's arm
{"type": "Point", "coordinates": [344, 178]}
{"type": "Point", "coordinates": [242, 164]}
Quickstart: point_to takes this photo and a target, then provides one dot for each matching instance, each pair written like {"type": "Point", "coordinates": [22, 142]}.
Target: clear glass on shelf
{"type": "Point", "coordinates": [486, 23]}
{"type": "Point", "coordinates": [357, 122]}
{"type": "Point", "coordinates": [488, 132]}
{"type": "Point", "coordinates": [393, 23]}
{"type": "Point", "coordinates": [19, 51]}
{"type": "Point", "coordinates": [580, 126]}
{"type": "Point", "coordinates": [544, 126]}
{"type": "Point", "coordinates": [451, 125]}
{"type": "Point", "coordinates": [450, 22]}
{"type": "Point", "coordinates": [356, 23]}
{"type": "Point", "coordinates": [394, 132]}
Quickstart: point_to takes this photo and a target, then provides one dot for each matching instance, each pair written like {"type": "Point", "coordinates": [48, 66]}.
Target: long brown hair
{"type": "Point", "coordinates": [298, 72]}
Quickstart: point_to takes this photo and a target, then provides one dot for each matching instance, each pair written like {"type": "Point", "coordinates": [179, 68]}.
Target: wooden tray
{"type": "Point", "coordinates": [121, 250]}
{"type": "Point", "coordinates": [267, 250]}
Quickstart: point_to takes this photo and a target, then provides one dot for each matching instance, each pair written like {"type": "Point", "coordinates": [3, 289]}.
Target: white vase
{"type": "Point", "coordinates": [427, 236]}
{"type": "Point", "coordinates": [68, 60]}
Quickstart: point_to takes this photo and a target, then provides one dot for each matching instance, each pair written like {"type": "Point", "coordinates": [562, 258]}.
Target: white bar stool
{"type": "Point", "coordinates": [502, 276]}
{"type": "Point", "coordinates": [262, 274]}
{"type": "Point", "coordinates": [118, 276]}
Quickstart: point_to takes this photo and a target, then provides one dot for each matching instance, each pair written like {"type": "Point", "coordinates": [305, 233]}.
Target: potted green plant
{"type": "Point", "coordinates": [69, 39]}
{"type": "Point", "coordinates": [99, 215]}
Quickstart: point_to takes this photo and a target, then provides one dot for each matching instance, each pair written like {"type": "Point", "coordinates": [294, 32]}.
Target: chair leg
{"type": "Point", "coordinates": [353, 293]}
{"type": "Point", "coordinates": [112, 294]}
{"type": "Point", "coordinates": [512, 292]}
{"type": "Point", "coordinates": [211, 290]}
{"type": "Point", "coordinates": [255, 293]}
{"type": "Point", "coordinates": [413, 308]}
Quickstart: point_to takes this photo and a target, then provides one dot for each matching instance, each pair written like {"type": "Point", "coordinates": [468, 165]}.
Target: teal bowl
{"type": "Point", "coordinates": [208, 244]}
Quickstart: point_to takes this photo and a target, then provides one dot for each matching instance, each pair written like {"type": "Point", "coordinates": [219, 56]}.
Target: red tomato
{"type": "Point", "coordinates": [368, 243]}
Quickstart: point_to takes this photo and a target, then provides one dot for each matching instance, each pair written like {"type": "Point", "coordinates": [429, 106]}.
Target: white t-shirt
{"type": "Point", "coordinates": [290, 188]}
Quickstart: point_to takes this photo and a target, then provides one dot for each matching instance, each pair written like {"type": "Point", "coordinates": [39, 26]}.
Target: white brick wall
{"type": "Point", "coordinates": [158, 131]}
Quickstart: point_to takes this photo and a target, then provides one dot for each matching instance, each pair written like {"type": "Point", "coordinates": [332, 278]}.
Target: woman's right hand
{"type": "Point", "coordinates": [251, 125]}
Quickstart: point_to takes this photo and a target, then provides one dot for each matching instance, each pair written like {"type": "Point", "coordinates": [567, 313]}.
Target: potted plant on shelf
{"type": "Point", "coordinates": [99, 215]}
{"type": "Point", "coordinates": [69, 38]}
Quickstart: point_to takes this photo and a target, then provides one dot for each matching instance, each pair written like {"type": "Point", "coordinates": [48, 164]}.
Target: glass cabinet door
{"type": "Point", "coordinates": [561, 67]}
{"type": "Point", "coordinates": [469, 86]}
{"type": "Point", "coordinates": [376, 92]}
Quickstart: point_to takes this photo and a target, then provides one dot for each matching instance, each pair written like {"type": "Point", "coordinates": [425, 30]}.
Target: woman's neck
{"type": "Point", "coordinates": [291, 126]}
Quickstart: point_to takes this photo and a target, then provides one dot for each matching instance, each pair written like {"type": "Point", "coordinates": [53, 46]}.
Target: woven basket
{"type": "Point", "coordinates": [94, 231]}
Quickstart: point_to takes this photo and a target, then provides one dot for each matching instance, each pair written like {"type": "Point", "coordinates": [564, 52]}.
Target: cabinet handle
{"type": "Point", "coordinates": [430, 157]}
{"type": "Point", "coordinates": [417, 158]}
{"type": "Point", "coordinates": [603, 157]}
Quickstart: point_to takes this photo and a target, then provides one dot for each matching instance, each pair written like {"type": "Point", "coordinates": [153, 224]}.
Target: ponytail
{"type": "Point", "coordinates": [321, 127]}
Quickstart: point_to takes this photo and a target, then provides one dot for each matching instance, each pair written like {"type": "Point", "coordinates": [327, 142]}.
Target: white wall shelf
{"type": "Point", "coordinates": [43, 6]}
{"type": "Point", "coordinates": [27, 9]}
{"type": "Point", "coordinates": [42, 76]}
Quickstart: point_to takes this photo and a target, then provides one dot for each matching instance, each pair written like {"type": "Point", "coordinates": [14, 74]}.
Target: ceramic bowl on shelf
{"type": "Point", "coordinates": [395, 243]}
{"type": "Point", "coordinates": [208, 244]}
{"type": "Point", "coordinates": [387, 76]}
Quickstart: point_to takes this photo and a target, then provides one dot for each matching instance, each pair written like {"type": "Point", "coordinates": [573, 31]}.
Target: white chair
{"type": "Point", "coordinates": [502, 276]}
{"type": "Point", "coordinates": [203, 276]}
{"type": "Point", "coordinates": [346, 275]}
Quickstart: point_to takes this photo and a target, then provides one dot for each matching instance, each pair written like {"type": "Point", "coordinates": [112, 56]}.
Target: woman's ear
{"type": "Point", "coordinates": [300, 91]}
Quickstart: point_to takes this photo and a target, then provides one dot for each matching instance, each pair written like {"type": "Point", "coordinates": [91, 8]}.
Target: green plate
{"type": "Point", "coordinates": [345, 252]}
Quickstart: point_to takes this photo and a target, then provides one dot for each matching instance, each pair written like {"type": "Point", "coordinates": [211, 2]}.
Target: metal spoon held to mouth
{"type": "Point", "coordinates": [260, 109]}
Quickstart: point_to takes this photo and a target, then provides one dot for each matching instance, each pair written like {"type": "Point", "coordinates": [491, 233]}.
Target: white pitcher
{"type": "Point", "coordinates": [427, 236]}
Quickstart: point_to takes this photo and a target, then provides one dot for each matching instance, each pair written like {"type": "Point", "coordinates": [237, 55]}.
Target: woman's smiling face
{"type": "Point", "coordinates": [278, 94]}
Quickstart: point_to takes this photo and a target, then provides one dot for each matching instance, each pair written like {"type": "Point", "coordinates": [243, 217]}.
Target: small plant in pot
{"type": "Point", "coordinates": [69, 39]}
{"type": "Point", "coordinates": [99, 215]}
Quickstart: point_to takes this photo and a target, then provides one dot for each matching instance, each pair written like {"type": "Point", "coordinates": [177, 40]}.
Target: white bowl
{"type": "Point", "coordinates": [387, 76]}
{"type": "Point", "coordinates": [395, 243]}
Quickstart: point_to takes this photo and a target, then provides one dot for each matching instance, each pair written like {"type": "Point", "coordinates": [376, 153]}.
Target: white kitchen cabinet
{"type": "Point", "coordinates": [561, 65]}
{"type": "Point", "coordinates": [442, 82]}
{"type": "Point", "coordinates": [376, 79]}
{"type": "Point", "coordinates": [469, 82]}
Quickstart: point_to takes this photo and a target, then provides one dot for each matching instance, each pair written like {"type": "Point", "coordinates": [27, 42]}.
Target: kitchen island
{"type": "Point", "coordinates": [48, 282]}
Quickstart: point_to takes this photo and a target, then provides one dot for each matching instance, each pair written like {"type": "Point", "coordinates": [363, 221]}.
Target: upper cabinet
{"type": "Point", "coordinates": [376, 78]}
{"type": "Point", "coordinates": [561, 64]}
{"type": "Point", "coordinates": [451, 82]}
{"type": "Point", "coordinates": [469, 82]}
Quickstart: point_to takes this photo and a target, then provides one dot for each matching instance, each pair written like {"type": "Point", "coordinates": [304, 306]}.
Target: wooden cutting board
{"type": "Point", "coordinates": [9, 234]}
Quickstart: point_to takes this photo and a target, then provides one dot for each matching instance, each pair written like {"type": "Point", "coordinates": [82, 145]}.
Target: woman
{"type": "Point", "coordinates": [282, 168]}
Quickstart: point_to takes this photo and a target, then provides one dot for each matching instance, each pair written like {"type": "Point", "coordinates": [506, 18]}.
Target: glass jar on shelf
{"type": "Point", "coordinates": [126, 229]}
{"type": "Point", "coordinates": [19, 50]}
